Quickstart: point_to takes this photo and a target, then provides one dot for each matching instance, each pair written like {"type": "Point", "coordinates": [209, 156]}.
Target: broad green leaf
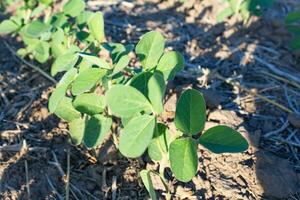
{"type": "Point", "coordinates": [121, 64]}
{"type": "Point", "coordinates": [97, 128]}
{"type": "Point", "coordinates": [59, 20]}
{"type": "Point", "coordinates": [136, 136]}
{"type": "Point", "coordinates": [96, 26]}
{"type": "Point", "coordinates": [57, 49]}
{"type": "Point", "coordinates": [160, 143]}
{"type": "Point", "coordinates": [83, 17]}
{"type": "Point", "coordinates": [74, 7]}
{"type": "Point", "coordinates": [36, 28]}
{"type": "Point", "coordinates": [156, 91]}
{"type": "Point", "coordinates": [58, 36]}
{"type": "Point", "coordinates": [183, 158]}
{"type": "Point", "coordinates": [140, 82]}
{"type": "Point", "coordinates": [146, 178]}
{"type": "Point", "coordinates": [100, 62]}
{"type": "Point", "coordinates": [126, 101]}
{"type": "Point", "coordinates": [89, 103]}
{"type": "Point", "coordinates": [222, 139]}
{"type": "Point", "coordinates": [292, 17]}
{"type": "Point", "coordinates": [60, 91]}
{"type": "Point", "coordinates": [150, 48]}
{"type": "Point", "coordinates": [66, 111]}
{"type": "Point", "coordinates": [76, 129]}
{"type": "Point", "coordinates": [125, 120]}
{"type": "Point", "coordinates": [190, 113]}
{"type": "Point", "coordinates": [227, 12]}
{"type": "Point", "coordinates": [41, 52]}
{"type": "Point", "coordinates": [170, 64]}
{"type": "Point", "coordinates": [8, 26]}
{"type": "Point", "coordinates": [86, 80]}
{"type": "Point", "coordinates": [117, 50]}
{"type": "Point", "coordinates": [64, 63]}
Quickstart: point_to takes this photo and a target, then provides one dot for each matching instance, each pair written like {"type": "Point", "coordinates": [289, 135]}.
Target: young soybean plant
{"type": "Point", "coordinates": [245, 8]}
{"type": "Point", "coordinates": [136, 97]}
{"type": "Point", "coordinates": [55, 35]}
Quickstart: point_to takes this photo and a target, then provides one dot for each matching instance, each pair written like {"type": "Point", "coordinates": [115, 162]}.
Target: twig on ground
{"type": "Point", "coordinates": [114, 188]}
{"type": "Point", "coordinates": [68, 175]}
{"type": "Point", "coordinates": [27, 179]}
{"type": "Point", "coordinates": [282, 128]}
{"type": "Point", "coordinates": [43, 73]}
{"type": "Point", "coordinates": [53, 188]}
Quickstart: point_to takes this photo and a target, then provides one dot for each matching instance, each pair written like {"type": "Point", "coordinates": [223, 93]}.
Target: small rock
{"type": "Point", "coordinates": [294, 119]}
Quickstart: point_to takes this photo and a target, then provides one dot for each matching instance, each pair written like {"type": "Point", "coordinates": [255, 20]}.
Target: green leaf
{"type": "Point", "coordinates": [74, 7]}
{"type": "Point", "coordinates": [8, 26]}
{"type": "Point", "coordinates": [96, 26]}
{"type": "Point", "coordinates": [89, 103]}
{"type": "Point", "coordinates": [83, 17]}
{"type": "Point", "coordinates": [76, 129]}
{"type": "Point", "coordinates": [66, 111]}
{"type": "Point", "coordinates": [292, 17]}
{"type": "Point", "coordinates": [97, 128]}
{"type": "Point", "coordinates": [60, 91]}
{"type": "Point", "coordinates": [150, 48]}
{"type": "Point", "coordinates": [36, 29]}
{"type": "Point", "coordinates": [156, 91]}
{"type": "Point", "coordinates": [126, 101]}
{"type": "Point", "coordinates": [140, 82]}
{"type": "Point", "coordinates": [86, 80]}
{"type": "Point", "coordinates": [41, 52]}
{"type": "Point", "coordinates": [222, 139]}
{"type": "Point", "coordinates": [136, 136]}
{"type": "Point", "coordinates": [64, 63]}
{"type": "Point", "coordinates": [146, 178]}
{"type": "Point", "coordinates": [227, 12]}
{"type": "Point", "coordinates": [100, 62]}
{"type": "Point", "coordinates": [183, 158]}
{"type": "Point", "coordinates": [160, 143]}
{"type": "Point", "coordinates": [170, 64]}
{"type": "Point", "coordinates": [121, 64]}
{"type": "Point", "coordinates": [59, 20]}
{"type": "Point", "coordinates": [190, 113]}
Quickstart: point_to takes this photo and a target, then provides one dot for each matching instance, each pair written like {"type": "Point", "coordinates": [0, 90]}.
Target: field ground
{"type": "Point", "coordinates": [34, 145]}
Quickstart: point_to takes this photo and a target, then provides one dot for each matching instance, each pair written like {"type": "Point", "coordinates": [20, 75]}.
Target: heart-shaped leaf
{"type": "Point", "coordinates": [96, 130]}
{"type": "Point", "coordinates": [190, 113]}
{"type": "Point", "coordinates": [223, 139]}
{"type": "Point", "coordinates": [126, 101]}
{"type": "Point", "coordinates": [36, 28]}
{"type": "Point", "coordinates": [156, 91]}
{"type": "Point", "coordinates": [8, 26]}
{"type": "Point", "coordinates": [61, 89]}
{"type": "Point", "coordinates": [66, 111]}
{"type": "Point", "coordinates": [86, 80]}
{"type": "Point", "coordinates": [146, 178]}
{"type": "Point", "coordinates": [74, 7]}
{"type": "Point", "coordinates": [96, 26]}
{"type": "Point", "coordinates": [150, 48]}
{"type": "Point", "coordinates": [170, 64]}
{"type": "Point", "coordinates": [89, 103]}
{"type": "Point", "coordinates": [136, 136]}
{"type": "Point", "coordinates": [183, 158]}
{"type": "Point", "coordinates": [64, 63]}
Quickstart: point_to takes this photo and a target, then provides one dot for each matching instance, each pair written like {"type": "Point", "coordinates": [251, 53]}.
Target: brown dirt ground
{"type": "Point", "coordinates": [32, 139]}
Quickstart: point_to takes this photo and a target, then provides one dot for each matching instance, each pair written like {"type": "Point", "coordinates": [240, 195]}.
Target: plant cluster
{"type": "Point", "coordinates": [95, 92]}
{"type": "Point", "coordinates": [245, 8]}
{"type": "Point", "coordinates": [292, 23]}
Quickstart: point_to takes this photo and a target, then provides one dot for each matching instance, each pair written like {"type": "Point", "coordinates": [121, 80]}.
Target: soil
{"type": "Point", "coordinates": [34, 145]}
